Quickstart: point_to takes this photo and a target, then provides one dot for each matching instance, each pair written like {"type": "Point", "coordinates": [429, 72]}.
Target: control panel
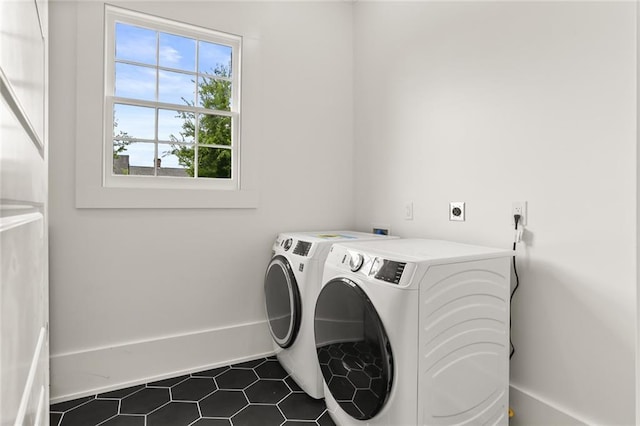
{"type": "Point", "coordinates": [298, 247]}
{"type": "Point", "coordinates": [387, 270]}
{"type": "Point", "coordinates": [302, 248]}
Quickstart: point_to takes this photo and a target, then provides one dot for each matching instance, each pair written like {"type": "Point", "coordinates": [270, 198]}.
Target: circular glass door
{"type": "Point", "coordinates": [353, 349]}
{"type": "Point", "coordinates": [282, 301]}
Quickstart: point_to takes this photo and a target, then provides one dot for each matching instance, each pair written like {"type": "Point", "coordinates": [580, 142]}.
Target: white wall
{"type": "Point", "coordinates": [494, 102]}
{"type": "Point", "coordinates": [483, 102]}
{"type": "Point", "coordinates": [137, 294]}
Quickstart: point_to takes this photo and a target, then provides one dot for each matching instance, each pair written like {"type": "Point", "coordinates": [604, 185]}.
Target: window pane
{"type": "Point", "coordinates": [174, 160]}
{"type": "Point", "coordinates": [214, 162]}
{"type": "Point", "coordinates": [133, 158]}
{"type": "Point", "coordinates": [135, 44]}
{"type": "Point", "coordinates": [214, 59]}
{"type": "Point", "coordinates": [214, 94]}
{"type": "Point", "coordinates": [177, 52]}
{"type": "Point", "coordinates": [135, 82]}
{"type": "Point", "coordinates": [214, 130]}
{"type": "Point", "coordinates": [133, 122]}
{"type": "Point", "coordinates": [176, 126]}
{"type": "Point", "coordinates": [177, 88]}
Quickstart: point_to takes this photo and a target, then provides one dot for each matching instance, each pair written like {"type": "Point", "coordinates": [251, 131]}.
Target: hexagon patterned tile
{"type": "Point", "coordinates": [355, 376]}
{"type": "Point", "coordinates": [252, 393]}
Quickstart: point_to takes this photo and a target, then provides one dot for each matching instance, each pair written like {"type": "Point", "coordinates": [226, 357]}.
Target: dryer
{"type": "Point", "coordinates": [414, 332]}
{"type": "Point", "coordinates": [291, 284]}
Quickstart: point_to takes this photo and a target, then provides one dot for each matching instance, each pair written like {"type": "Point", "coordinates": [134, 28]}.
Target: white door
{"type": "Point", "coordinates": [24, 298]}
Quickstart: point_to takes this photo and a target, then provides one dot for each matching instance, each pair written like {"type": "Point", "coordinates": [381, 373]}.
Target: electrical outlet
{"type": "Point", "coordinates": [408, 211]}
{"type": "Point", "coordinates": [519, 207]}
{"type": "Point", "coordinates": [456, 211]}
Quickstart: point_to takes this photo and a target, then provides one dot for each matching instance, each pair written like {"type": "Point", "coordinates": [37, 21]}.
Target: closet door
{"type": "Point", "coordinates": [24, 297]}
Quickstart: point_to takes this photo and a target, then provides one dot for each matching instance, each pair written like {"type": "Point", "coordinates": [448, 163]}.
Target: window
{"type": "Point", "coordinates": [172, 104]}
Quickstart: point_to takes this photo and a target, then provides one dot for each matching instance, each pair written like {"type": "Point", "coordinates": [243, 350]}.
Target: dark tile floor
{"type": "Point", "coordinates": [252, 393]}
{"type": "Point", "coordinates": [354, 371]}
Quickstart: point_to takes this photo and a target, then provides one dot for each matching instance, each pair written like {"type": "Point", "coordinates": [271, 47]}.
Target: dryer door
{"type": "Point", "coordinates": [353, 349]}
{"type": "Point", "coordinates": [282, 298]}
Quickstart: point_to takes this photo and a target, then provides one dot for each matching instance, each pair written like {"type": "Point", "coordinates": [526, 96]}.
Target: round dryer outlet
{"type": "Point", "coordinates": [456, 211]}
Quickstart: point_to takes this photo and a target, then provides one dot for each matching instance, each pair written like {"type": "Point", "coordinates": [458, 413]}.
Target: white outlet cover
{"type": "Point", "coordinates": [408, 210]}
{"type": "Point", "coordinates": [457, 211]}
{"type": "Point", "coordinates": [522, 207]}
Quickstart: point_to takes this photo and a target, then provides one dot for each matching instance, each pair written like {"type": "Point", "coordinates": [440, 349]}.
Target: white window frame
{"type": "Point", "coordinates": [115, 15]}
{"type": "Point", "coordinates": [87, 127]}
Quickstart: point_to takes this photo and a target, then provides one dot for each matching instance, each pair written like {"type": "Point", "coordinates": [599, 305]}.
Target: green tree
{"type": "Point", "coordinates": [120, 142]}
{"type": "Point", "coordinates": [213, 93]}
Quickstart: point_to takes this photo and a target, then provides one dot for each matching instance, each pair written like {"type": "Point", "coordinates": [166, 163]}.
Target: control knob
{"type": "Point", "coordinates": [355, 262]}
{"type": "Point", "coordinates": [287, 244]}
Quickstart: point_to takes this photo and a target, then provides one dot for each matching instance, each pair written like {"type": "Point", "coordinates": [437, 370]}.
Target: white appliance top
{"type": "Point", "coordinates": [424, 250]}
{"type": "Point", "coordinates": [330, 236]}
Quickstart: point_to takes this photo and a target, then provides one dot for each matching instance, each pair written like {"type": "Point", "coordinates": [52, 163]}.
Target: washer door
{"type": "Point", "coordinates": [353, 349]}
{"type": "Point", "coordinates": [283, 301]}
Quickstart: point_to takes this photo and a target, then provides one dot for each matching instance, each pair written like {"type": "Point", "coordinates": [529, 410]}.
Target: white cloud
{"type": "Point", "coordinates": [169, 55]}
{"type": "Point", "coordinates": [174, 86]}
{"type": "Point", "coordinates": [135, 82]}
{"type": "Point", "coordinates": [140, 49]}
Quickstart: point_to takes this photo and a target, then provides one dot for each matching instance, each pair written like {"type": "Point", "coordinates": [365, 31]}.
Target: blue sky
{"type": "Point", "coordinates": [148, 47]}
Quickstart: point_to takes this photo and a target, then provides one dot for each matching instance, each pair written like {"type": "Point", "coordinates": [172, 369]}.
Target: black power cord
{"type": "Point", "coordinates": [516, 219]}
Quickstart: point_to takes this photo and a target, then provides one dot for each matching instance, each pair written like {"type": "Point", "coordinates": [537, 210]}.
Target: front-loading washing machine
{"type": "Point", "coordinates": [414, 332]}
{"type": "Point", "coordinates": [292, 282]}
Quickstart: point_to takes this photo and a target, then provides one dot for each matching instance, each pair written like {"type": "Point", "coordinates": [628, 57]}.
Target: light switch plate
{"type": "Point", "coordinates": [408, 210]}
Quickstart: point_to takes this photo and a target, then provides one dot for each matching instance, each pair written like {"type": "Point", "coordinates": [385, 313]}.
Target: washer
{"type": "Point", "coordinates": [292, 282]}
{"type": "Point", "coordinates": [414, 332]}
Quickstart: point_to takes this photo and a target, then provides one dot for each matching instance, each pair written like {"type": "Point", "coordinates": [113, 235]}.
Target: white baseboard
{"type": "Point", "coordinates": [88, 372]}
{"type": "Point", "coordinates": [531, 410]}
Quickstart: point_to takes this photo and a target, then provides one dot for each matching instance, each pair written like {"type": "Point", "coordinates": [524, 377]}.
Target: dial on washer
{"type": "Point", "coordinates": [355, 262]}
